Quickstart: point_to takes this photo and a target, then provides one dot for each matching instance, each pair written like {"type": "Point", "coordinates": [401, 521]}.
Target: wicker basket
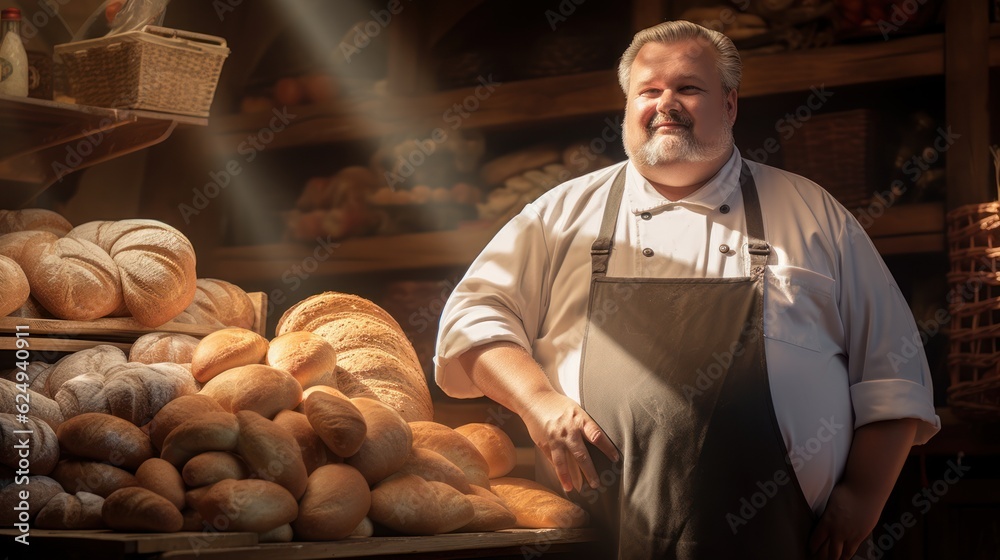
{"type": "Point", "coordinates": [836, 151]}
{"type": "Point", "coordinates": [974, 305]}
{"type": "Point", "coordinates": [155, 69]}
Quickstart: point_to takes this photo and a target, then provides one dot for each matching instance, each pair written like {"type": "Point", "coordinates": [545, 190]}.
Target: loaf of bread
{"type": "Point", "coordinates": [430, 465]}
{"type": "Point", "coordinates": [161, 477]}
{"type": "Point", "coordinates": [307, 357]}
{"type": "Point", "coordinates": [178, 411]}
{"type": "Point", "coordinates": [262, 389]}
{"type": "Point", "coordinates": [88, 476]}
{"type": "Point", "coordinates": [314, 311]}
{"type": "Point", "coordinates": [455, 447]}
{"type": "Point", "coordinates": [139, 509]}
{"type": "Point", "coordinates": [247, 505]}
{"type": "Point", "coordinates": [387, 442]}
{"type": "Point", "coordinates": [71, 512]}
{"type": "Point", "coordinates": [494, 445]}
{"type": "Point", "coordinates": [270, 452]}
{"type": "Point", "coordinates": [40, 406]}
{"type": "Point", "coordinates": [393, 381]}
{"type": "Point", "coordinates": [41, 490]}
{"type": "Point", "coordinates": [414, 506]}
{"type": "Point", "coordinates": [537, 507]}
{"type": "Point", "coordinates": [210, 467]}
{"type": "Point", "coordinates": [336, 500]}
{"type": "Point", "coordinates": [219, 303]}
{"type": "Point", "coordinates": [227, 349]}
{"type": "Point", "coordinates": [348, 331]}
{"type": "Point", "coordinates": [489, 515]}
{"type": "Point", "coordinates": [159, 347]}
{"type": "Point", "coordinates": [105, 438]}
{"type": "Point", "coordinates": [34, 375]}
{"type": "Point", "coordinates": [34, 219]}
{"type": "Point", "coordinates": [337, 421]}
{"type": "Point", "coordinates": [209, 431]}
{"type": "Point", "coordinates": [16, 289]}
{"type": "Point", "coordinates": [40, 442]}
{"type": "Point", "coordinates": [91, 360]}
{"type": "Point", "coordinates": [314, 452]}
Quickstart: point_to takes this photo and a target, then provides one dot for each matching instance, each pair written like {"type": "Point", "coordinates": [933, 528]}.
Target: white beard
{"type": "Point", "coordinates": [679, 147]}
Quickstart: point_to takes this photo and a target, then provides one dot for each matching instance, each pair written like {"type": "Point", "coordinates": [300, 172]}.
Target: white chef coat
{"type": "Point", "coordinates": [839, 336]}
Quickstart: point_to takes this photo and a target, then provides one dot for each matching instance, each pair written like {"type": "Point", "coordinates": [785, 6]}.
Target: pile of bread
{"type": "Point", "coordinates": [139, 268]}
{"type": "Point", "coordinates": [324, 432]}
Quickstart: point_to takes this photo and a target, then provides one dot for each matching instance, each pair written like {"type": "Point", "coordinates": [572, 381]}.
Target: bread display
{"type": "Point", "coordinates": [336, 500]}
{"type": "Point", "coordinates": [307, 357]}
{"type": "Point", "coordinates": [98, 358]}
{"type": "Point", "coordinates": [494, 445]}
{"type": "Point", "coordinates": [455, 447]}
{"type": "Point", "coordinates": [133, 391]}
{"type": "Point", "coordinates": [178, 411]}
{"type": "Point", "coordinates": [218, 303]}
{"type": "Point", "coordinates": [139, 509]}
{"type": "Point", "coordinates": [210, 431]}
{"type": "Point", "coordinates": [16, 289]}
{"type": "Point", "coordinates": [210, 467]}
{"type": "Point", "coordinates": [270, 452]}
{"type": "Point", "coordinates": [42, 488]}
{"type": "Point", "coordinates": [88, 476]}
{"type": "Point", "coordinates": [337, 421]}
{"type": "Point", "coordinates": [537, 507]}
{"type": "Point", "coordinates": [43, 446]}
{"type": "Point", "coordinates": [262, 389]}
{"type": "Point", "coordinates": [42, 407]}
{"type": "Point", "coordinates": [251, 505]}
{"type": "Point", "coordinates": [387, 442]}
{"type": "Point", "coordinates": [226, 349]}
{"type": "Point", "coordinates": [105, 438]}
{"type": "Point", "coordinates": [161, 477]}
{"type": "Point", "coordinates": [72, 511]}
{"type": "Point", "coordinates": [159, 347]}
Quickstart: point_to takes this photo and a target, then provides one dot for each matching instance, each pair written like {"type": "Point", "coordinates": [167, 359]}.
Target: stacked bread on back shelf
{"type": "Point", "coordinates": [322, 433]}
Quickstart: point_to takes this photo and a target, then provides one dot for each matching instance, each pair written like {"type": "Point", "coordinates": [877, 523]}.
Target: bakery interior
{"type": "Point", "coordinates": [373, 148]}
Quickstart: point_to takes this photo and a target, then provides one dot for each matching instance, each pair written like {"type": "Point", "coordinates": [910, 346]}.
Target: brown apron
{"type": "Point", "coordinates": [673, 371]}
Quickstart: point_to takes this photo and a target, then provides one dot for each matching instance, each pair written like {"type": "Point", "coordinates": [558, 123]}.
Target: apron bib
{"type": "Point", "coordinates": [673, 371]}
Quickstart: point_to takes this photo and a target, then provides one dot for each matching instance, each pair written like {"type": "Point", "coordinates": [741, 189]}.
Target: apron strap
{"type": "Point", "coordinates": [759, 249]}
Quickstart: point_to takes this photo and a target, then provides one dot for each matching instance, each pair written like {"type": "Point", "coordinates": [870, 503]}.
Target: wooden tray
{"type": "Point", "coordinates": [57, 335]}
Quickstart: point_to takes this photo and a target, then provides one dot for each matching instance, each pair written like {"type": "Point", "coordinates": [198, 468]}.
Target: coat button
{"type": "Point", "coordinates": [724, 209]}
{"type": "Point", "coordinates": [647, 252]}
{"type": "Point", "coordinates": [724, 249]}
{"type": "Point", "coordinates": [645, 216]}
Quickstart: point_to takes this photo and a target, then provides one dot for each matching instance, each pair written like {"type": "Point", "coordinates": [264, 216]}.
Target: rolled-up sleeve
{"type": "Point", "coordinates": [501, 298]}
{"type": "Point", "coordinates": [888, 370]}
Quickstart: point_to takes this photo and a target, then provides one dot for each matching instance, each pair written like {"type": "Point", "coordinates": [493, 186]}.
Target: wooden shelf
{"type": "Point", "coordinates": [908, 228]}
{"type": "Point", "coordinates": [41, 141]}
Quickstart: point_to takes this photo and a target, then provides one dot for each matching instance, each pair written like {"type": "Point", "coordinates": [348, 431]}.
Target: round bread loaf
{"type": "Point", "coordinates": [262, 389]}
{"type": "Point", "coordinates": [40, 406]}
{"type": "Point", "coordinates": [455, 447]}
{"type": "Point", "coordinates": [161, 477]}
{"type": "Point", "coordinates": [91, 360]}
{"type": "Point", "coordinates": [209, 431]}
{"type": "Point", "coordinates": [495, 446]}
{"type": "Point", "coordinates": [537, 507]}
{"type": "Point", "coordinates": [314, 452]}
{"type": "Point", "coordinates": [159, 347]}
{"type": "Point", "coordinates": [15, 283]}
{"type": "Point", "coordinates": [105, 438]}
{"type": "Point", "coordinates": [210, 467]}
{"type": "Point", "coordinates": [156, 264]}
{"type": "Point", "coordinates": [307, 357]}
{"type": "Point", "coordinates": [178, 411]}
{"type": "Point", "coordinates": [41, 443]}
{"type": "Point", "coordinates": [72, 511]}
{"type": "Point", "coordinates": [270, 452]}
{"type": "Point", "coordinates": [431, 465]}
{"type": "Point", "coordinates": [88, 476]}
{"type": "Point", "coordinates": [33, 219]}
{"type": "Point", "coordinates": [488, 515]}
{"type": "Point", "coordinates": [387, 442]}
{"type": "Point", "coordinates": [336, 500]}
{"type": "Point", "coordinates": [219, 303]}
{"type": "Point", "coordinates": [41, 490]}
{"type": "Point", "coordinates": [226, 349]}
{"type": "Point", "coordinates": [414, 506]}
{"type": "Point", "coordinates": [337, 421]}
{"type": "Point", "coordinates": [247, 505]}
{"type": "Point", "coordinates": [139, 509]}
{"type": "Point", "coordinates": [133, 391]}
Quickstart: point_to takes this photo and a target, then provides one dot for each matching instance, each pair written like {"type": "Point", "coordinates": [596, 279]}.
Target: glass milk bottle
{"type": "Point", "coordinates": [13, 58]}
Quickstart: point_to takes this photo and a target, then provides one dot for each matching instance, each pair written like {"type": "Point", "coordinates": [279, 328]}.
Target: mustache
{"type": "Point", "coordinates": [673, 117]}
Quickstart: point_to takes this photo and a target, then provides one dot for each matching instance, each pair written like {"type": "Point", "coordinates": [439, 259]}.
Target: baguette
{"type": "Point", "coordinates": [537, 507]}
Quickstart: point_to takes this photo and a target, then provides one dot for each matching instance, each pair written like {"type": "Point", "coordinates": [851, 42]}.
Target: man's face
{"type": "Point", "coordinates": [676, 110]}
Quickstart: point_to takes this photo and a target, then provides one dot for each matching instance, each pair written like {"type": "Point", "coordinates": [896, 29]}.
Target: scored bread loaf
{"type": "Point", "coordinates": [41, 490]}
{"type": "Point", "coordinates": [313, 312]}
{"type": "Point", "coordinates": [88, 476]}
{"type": "Point", "coordinates": [337, 421]}
{"type": "Point", "coordinates": [158, 347]}
{"type": "Point", "coordinates": [226, 349]}
{"type": "Point", "coordinates": [495, 446]}
{"type": "Point", "coordinates": [305, 356]}
{"type": "Point", "coordinates": [219, 303]}
{"type": "Point", "coordinates": [387, 442]}
{"type": "Point", "coordinates": [33, 219]}
{"type": "Point", "coordinates": [537, 507]}
{"type": "Point", "coordinates": [246, 505]}
{"type": "Point", "coordinates": [40, 441]}
{"type": "Point", "coordinates": [12, 399]}
{"type": "Point", "coordinates": [178, 411]}
{"type": "Point", "coordinates": [16, 289]}
{"type": "Point", "coordinates": [96, 359]}
{"type": "Point", "coordinates": [336, 500]}
{"type": "Point", "coordinates": [455, 447]}
{"type": "Point", "coordinates": [105, 438]}
{"type": "Point", "coordinates": [34, 375]}
{"type": "Point", "coordinates": [271, 452]}
{"type": "Point", "coordinates": [161, 477]}
{"type": "Point", "coordinates": [71, 511]}
{"type": "Point", "coordinates": [314, 452]}
{"type": "Point", "coordinates": [139, 509]}
{"type": "Point", "coordinates": [133, 391]}
{"type": "Point", "coordinates": [262, 389]}
{"type": "Point", "coordinates": [393, 381]}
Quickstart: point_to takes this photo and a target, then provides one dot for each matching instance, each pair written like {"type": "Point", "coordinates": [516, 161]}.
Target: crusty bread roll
{"type": "Point", "coordinates": [537, 507]}
{"type": "Point", "coordinates": [495, 446]}
{"type": "Point", "coordinates": [314, 452]}
{"type": "Point", "coordinates": [139, 509]}
{"type": "Point", "coordinates": [42, 446]}
{"type": "Point", "coordinates": [33, 219]}
{"type": "Point", "coordinates": [209, 431]}
{"type": "Point", "coordinates": [307, 357]}
{"type": "Point", "coordinates": [71, 511]}
{"type": "Point", "coordinates": [161, 477]}
{"type": "Point", "coordinates": [335, 502]}
{"type": "Point", "coordinates": [91, 360]}
{"type": "Point", "coordinates": [455, 447]}
{"type": "Point", "coordinates": [133, 391]}
{"type": "Point", "coordinates": [15, 283]}
{"type": "Point", "coordinates": [283, 533]}
{"type": "Point", "coordinates": [262, 389]}
{"type": "Point", "coordinates": [270, 452]}
{"type": "Point", "coordinates": [41, 490]}
{"type": "Point", "coordinates": [387, 442]}
{"type": "Point", "coordinates": [156, 264]}
{"type": "Point", "coordinates": [488, 515]}
{"type": "Point", "coordinates": [227, 349]}
{"type": "Point", "coordinates": [219, 303]}
{"type": "Point", "coordinates": [247, 505]}
{"type": "Point", "coordinates": [431, 465]}
{"type": "Point", "coordinates": [210, 467]}
{"type": "Point", "coordinates": [158, 347]}
{"type": "Point", "coordinates": [40, 406]}
{"type": "Point", "coordinates": [337, 421]}
{"type": "Point", "coordinates": [105, 438]}
{"type": "Point", "coordinates": [178, 411]}
{"type": "Point", "coordinates": [88, 476]}
{"type": "Point", "coordinates": [414, 506]}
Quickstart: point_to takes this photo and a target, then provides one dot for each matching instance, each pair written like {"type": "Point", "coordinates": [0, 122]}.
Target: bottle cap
{"type": "Point", "coordinates": [12, 14]}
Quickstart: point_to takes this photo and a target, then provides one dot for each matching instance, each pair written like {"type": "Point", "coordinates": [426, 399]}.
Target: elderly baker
{"type": "Point", "coordinates": [723, 331]}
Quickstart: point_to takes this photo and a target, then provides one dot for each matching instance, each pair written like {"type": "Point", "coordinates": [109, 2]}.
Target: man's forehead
{"type": "Point", "coordinates": [693, 50]}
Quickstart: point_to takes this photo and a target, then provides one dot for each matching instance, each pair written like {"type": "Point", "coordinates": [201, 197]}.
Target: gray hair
{"type": "Point", "coordinates": [727, 57]}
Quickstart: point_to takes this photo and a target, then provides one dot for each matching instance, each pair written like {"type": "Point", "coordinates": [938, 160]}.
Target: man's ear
{"type": "Point", "coordinates": [731, 105]}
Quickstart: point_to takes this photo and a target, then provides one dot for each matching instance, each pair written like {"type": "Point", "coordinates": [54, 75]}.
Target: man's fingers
{"type": "Point", "coordinates": [559, 461]}
{"type": "Point", "coordinates": [601, 441]}
{"type": "Point", "coordinates": [582, 458]}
